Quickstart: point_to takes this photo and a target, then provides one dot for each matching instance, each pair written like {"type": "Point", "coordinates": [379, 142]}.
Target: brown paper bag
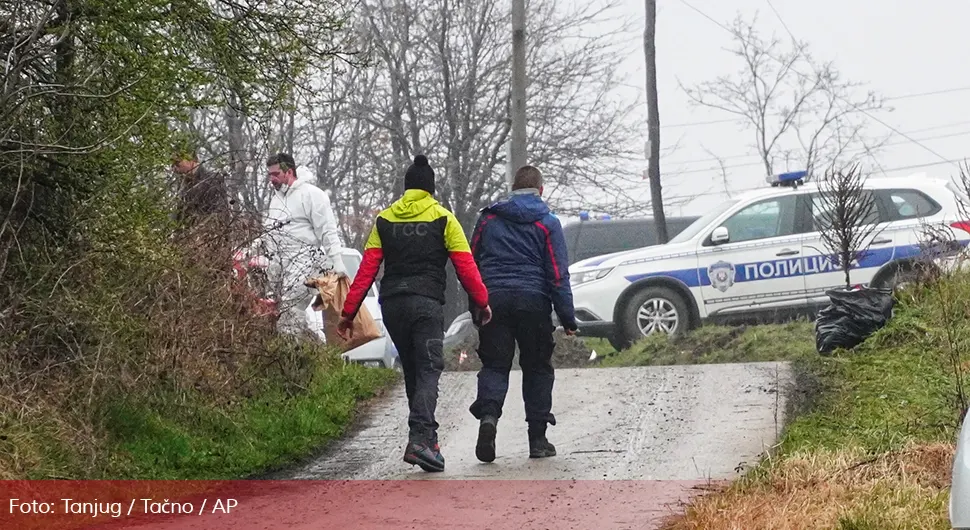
{"type": "Point", "coordinates": [332, 293]}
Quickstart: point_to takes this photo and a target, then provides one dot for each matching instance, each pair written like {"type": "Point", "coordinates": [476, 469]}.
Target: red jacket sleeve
{"type": "Point", "coordinates": [366, 274]}
{"type": "Point", "coordinates": [464, 263]}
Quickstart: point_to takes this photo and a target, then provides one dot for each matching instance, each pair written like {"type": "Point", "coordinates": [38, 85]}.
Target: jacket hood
{"type": "Point", "coordinates": [412, 204]}
{"type": "Point", "coordinates": [524, 206]}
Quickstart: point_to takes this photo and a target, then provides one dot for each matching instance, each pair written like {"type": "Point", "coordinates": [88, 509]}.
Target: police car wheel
{"type": "Point", "coordinates": [617, 342]}
{"type": "Point", "coordinates": [654, 310]}
{"type": "Point", "coordinates": [902, 276]}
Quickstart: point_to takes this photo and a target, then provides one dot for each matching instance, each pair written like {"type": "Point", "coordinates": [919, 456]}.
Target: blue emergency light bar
{"type": "Point", "coordinates": [791, 179]}
{"type": "Point", "coordinates": [584, 216]}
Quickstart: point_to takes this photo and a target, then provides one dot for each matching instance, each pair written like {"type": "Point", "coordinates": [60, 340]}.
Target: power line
{"type": "Point", "coordinates": [803, 76]}
{"type": "Point", "coordinates": [790, 34]}
{"type": "Point", "coordinates": [891, 98]}
{"type": "Point", "coordinates": [697, 123]}
{"type": "Point", "coordinates": [933, 93]}
{"type": "Point", "coordinates": [742, 190]}
{"type": "Point", "coordinates": [855, 150]}
{"type": "Point", "coordinates": [856, 106]}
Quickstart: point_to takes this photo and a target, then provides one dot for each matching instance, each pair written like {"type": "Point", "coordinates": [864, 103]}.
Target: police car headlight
{"type": "Point", "coordinates": [580, 278]}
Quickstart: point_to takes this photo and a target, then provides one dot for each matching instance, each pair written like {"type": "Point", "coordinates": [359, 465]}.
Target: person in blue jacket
{"type": "Point", "coordinates": [520, 250]}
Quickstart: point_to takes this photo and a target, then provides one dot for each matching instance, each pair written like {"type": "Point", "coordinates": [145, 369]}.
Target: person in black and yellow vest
{"type": "Point", "coordinates": [414, 238]}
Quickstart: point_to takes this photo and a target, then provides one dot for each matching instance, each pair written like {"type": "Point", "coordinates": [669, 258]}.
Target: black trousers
{"type": "Point", "coordinates": [416, 326]}
{"type": "Point", "coordinates": [524, 319]}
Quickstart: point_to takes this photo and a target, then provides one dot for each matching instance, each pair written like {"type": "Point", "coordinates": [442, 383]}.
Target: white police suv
{"type": "Point", "coordinates": [756, 257]}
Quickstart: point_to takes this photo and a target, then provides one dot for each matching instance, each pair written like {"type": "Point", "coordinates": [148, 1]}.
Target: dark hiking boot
{"type": "Point", "coordinates": [539, 446]}
{"type": "Point", "coordinates": [426, 456]}
{"type": "Point", "coordinates": [485, 449]}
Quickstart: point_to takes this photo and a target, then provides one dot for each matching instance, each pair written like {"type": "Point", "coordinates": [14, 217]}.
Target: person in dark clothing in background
{"type": "Point", "coordinates": [414, 238]}
{"type": "Point", "coordinates": [202, 192]}
{"type": "Point", "coordinates": [521, 252]}
{"type": "Point", "coordinates": [204, 212]}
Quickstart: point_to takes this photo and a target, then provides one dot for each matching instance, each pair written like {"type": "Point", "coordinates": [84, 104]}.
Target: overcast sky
{"type": "Point", "coordinates": [898, 48]}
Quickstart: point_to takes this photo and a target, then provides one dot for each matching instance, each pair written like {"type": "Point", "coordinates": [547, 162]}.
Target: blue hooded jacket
{"type": "Point", "coordinates": [519, 246]}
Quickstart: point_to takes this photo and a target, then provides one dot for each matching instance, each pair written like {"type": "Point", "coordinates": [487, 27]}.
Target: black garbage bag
{"type": "Point", "coordinates": [852, 316]}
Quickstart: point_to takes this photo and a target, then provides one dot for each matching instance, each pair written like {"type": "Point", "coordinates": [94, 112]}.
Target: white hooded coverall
{"type": "Point", "coordinates": [301, 240]}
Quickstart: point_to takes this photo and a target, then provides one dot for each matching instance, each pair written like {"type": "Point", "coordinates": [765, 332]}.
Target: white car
{"type": "Point", "coordinates": [758, 256]}
{"type": "Point", "coordinates": [379, 352]}
{"type": "Point", "coordinates": [960, 485]}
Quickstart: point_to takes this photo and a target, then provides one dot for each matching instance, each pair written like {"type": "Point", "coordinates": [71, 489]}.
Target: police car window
{"type": "Point", "coordinates": [607, 237]}
{"type": "Point", "coordinates": [700, 224]}
{"type": "Point", "coordinates": [822, 211]}
{"type": "Point", "coordinates": [770, 218]}
{"type": "Point", "coordinates": [911, 203]}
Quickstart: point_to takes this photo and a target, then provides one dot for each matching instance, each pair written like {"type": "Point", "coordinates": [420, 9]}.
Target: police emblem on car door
{"type": "Point", "coordinates": [721, 275]}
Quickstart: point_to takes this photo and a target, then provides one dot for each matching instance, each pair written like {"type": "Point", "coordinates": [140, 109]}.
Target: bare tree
{"type": "Point", "coordinates": [436, 82]}
{"type": "Point", "coordinates": [439, 85]}
{"type": "Point", "coordinates": [799, 109]}
{"type": "Point", "coordinates": [444, 91]}
{"type": "Point", "coordinates": [848, 218]}
{"type": "Point", "coordinates": [350, 152]}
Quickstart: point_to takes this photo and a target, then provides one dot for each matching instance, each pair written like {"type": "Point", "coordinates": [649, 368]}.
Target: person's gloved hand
{"type": "Point", "coordinates": [345, 328]}
{"type": "Point", "coordinates": [338, 267]}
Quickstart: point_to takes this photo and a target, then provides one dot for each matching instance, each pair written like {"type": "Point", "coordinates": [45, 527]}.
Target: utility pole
{"type": "Point", "coordinates": [517, 147]}
{"type": "Point", "coordinates": [653, 121]}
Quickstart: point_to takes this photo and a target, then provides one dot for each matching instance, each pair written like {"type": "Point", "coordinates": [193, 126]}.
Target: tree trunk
{"type": "Point", "coordinates": [653, 121]}
{"type": "Point", "coordinates": [236, 140]}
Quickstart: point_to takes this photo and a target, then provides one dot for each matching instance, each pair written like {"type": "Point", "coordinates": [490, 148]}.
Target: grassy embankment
{"type": "Point", "coordinates": [714, 344]}
{"type": "Point", "coordinates": [871, 447]}
{"type": "Point", "coordinates": [160, 434]}
{"type": "Point", "coordinates": [151, 362]}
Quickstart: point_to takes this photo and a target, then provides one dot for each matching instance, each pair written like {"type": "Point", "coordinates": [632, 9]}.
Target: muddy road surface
{"type": "Point", "coordinates": [633, 445]}
{"type": "Point", "coordinates": [646, 423]}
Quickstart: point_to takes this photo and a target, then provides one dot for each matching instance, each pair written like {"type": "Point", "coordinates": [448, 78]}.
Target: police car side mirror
{"type": "Point", "coordinates": [720, 235]}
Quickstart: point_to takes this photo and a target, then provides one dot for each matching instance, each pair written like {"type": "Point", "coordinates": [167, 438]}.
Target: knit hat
{"type": "Point", "coordinates": [420, 176]}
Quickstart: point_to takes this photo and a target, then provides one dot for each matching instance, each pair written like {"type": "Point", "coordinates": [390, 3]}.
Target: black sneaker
{"type": "Point", "coordinates": [427, 457]}
{"type": "Point", "coordinates": [485, 449]}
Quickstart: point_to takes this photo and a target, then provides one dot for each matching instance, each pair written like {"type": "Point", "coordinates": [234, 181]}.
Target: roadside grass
{"type": "Point", "coordinates": [714, 344]}
{"type": "Point", "coordinates": [168, 438]}
{"type": "Point", "coordinates": [874, 447]}
{"type": "Point", "coordinates": [162, 434]}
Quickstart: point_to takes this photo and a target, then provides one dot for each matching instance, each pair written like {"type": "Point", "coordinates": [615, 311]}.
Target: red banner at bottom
{"type": "Point", "coordinates": [306, 504]}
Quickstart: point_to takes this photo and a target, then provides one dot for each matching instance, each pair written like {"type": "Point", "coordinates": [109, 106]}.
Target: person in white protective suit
{"type": "Point", "coordinates": [301, 240]}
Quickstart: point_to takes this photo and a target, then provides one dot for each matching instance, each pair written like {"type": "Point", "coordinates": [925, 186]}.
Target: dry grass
{"type": "Point", "coordinates": [874, 449]}
{"type": "Point", "coordinates": [839, 490]}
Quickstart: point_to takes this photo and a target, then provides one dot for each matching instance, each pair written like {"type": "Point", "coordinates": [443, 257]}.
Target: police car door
{"type": "Point", "coordinates": [744, 264]}
{"type": "Point", "coordinates": [822, 272]}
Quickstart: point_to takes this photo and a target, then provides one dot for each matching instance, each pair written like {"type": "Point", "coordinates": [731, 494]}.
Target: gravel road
{"type": "Point", "coordinates": [633, 444]}
{"type": "Point", "coordinates": [647, 423]}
